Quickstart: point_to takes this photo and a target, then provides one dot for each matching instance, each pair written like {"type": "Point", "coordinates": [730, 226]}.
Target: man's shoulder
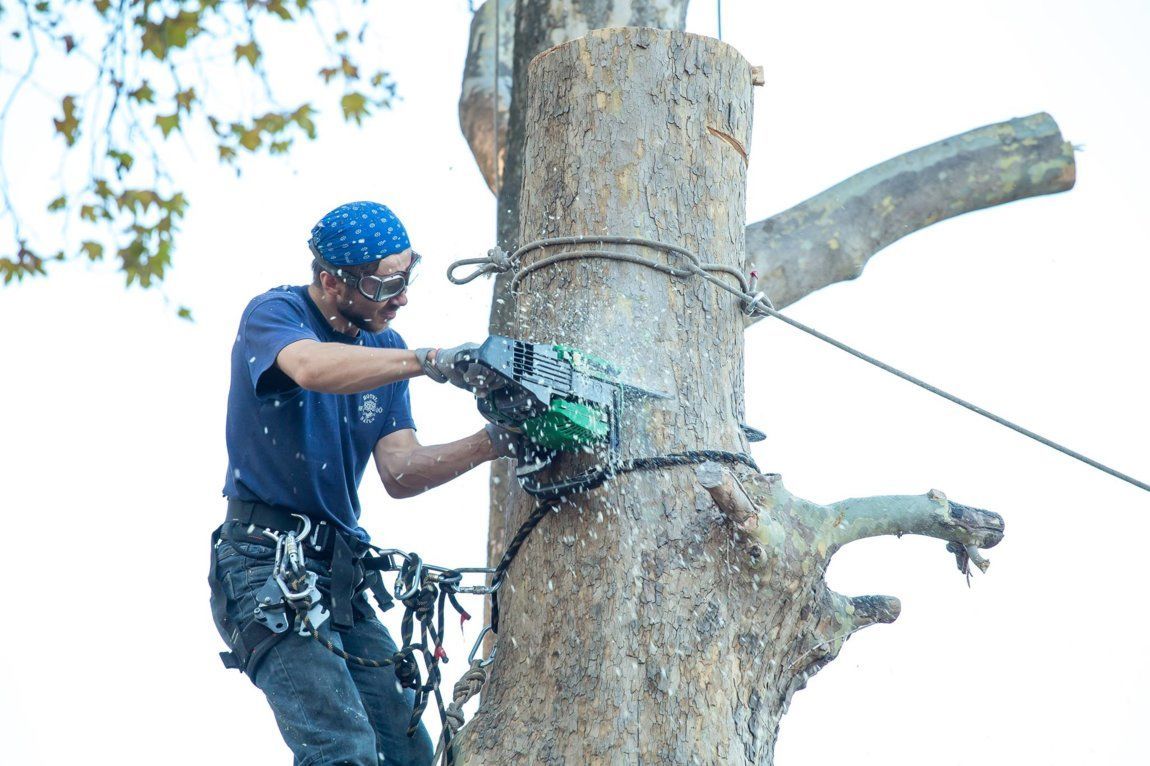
{"type": "Point", "coordinates": [289, 297]}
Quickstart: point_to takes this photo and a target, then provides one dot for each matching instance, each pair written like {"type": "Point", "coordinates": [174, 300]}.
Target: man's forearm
{"type": "Point", "coordinates": [337, 368]}
{"type": "Point", "coordinates": [422, 468]}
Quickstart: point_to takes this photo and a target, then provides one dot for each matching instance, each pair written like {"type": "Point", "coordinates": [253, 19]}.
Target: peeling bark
{"type": "Point", "coordinates": [829, 237]}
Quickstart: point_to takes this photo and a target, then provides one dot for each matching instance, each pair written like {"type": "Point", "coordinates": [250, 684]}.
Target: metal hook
{"type": "Point", "coordinates": [478, 643]}
{"type": "Point", "coordinates": [306, 526]}
{"type": "Point", "coordinates": [416, 580]}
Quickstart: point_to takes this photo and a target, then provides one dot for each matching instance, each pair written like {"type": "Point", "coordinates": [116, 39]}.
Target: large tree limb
{"type": "Point", "coordinates": [485, 96]}
{"type": "Point", "coordinates": [829, 237]}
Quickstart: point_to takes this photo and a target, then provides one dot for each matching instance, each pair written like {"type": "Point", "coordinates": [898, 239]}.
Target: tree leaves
{"type": "Point", "coordinates": [168, 122]}
{"type": "Point", "coordinates": [354, 107]}
{"type": "Point", "coordinates": [143, 94]}
{"type": "Point", "coordinates": [152, 65]}
{"type": "Point", "coordinates": [249, 52]}
{"type": "Point", "coordinates": [69, 125]}
{"type": "Point", "coordinates": [171, 32]}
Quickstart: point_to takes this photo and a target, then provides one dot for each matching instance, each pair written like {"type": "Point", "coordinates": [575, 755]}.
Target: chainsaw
{"type": "Point", "coordinates": [561, 399]}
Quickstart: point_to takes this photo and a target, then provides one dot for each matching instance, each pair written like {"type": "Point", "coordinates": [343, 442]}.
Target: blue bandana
{"type": "Point", "coordinates": [357, 233]}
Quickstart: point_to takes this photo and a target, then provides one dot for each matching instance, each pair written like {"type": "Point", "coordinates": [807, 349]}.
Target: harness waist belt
{"type": "Point", "coordinates": [255, 514]}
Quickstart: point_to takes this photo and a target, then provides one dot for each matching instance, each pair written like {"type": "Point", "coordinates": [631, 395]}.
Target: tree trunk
{"type": "Point", "coordinates": [668, 616]}
{"type": "Point", "coordinates": [631, 132]}
{"type": "Point", "coordinates": [539, 26]}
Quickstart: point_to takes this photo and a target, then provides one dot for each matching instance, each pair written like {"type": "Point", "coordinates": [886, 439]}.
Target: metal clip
{"type": "Point", "coordinates": [416, 581]}
{"type": "Point", "coordinates": [271, 611]}
{"type": "Point", "coordinates": [475, 649]}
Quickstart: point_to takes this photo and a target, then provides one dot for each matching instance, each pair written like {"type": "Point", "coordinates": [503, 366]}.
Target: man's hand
{"type": "Point", "coordinates": [447, 365]}
{"type": "Point", "coordinates": [505, 442]}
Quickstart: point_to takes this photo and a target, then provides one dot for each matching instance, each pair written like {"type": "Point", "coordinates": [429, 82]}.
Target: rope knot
{"type": "Point", "coordinates": [499, 258]}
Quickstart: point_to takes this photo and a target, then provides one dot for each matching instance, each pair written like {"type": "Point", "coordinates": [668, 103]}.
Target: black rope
{"type": "Point", "coordinates": [425, 605]}
{"type": "Point", "coordinates": [551, 501]}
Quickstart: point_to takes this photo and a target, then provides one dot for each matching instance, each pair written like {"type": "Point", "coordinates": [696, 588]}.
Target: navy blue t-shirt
{"type": "Point", "coordinates": [299, 449]}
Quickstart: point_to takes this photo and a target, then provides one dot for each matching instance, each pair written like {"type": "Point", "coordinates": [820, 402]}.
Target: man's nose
{"type": "Point", "coordinates": [401, 299]}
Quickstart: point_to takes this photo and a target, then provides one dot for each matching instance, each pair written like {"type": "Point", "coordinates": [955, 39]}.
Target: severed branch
{"type": "Point", "coordinates": [830, 237]}
{"type": "Point", "coordinates": [930, 514]}
{"type": "Point", "coordinates": [728, 494]}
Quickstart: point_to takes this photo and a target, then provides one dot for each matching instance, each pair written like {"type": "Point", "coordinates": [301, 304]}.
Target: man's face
{"type": "Point", "coordinates": [366, 314]}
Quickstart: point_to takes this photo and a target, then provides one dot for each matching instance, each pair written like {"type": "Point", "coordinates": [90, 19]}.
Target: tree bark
{"type": "Point", "coordinates": [665, 617]}
{"type": "Point", "coordinates": [538, 27]}
{"type": "Point", "coordinates": [829, 237]}
{"type": "Point", "coordinates": [485, 96]}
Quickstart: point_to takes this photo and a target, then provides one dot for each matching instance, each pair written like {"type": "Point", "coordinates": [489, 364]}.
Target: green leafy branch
{"type": "Point", "coordinates": [123, 206]}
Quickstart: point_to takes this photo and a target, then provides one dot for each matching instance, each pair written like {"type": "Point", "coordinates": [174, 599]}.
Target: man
{"type": "Point", "coordinates": [319, 384]}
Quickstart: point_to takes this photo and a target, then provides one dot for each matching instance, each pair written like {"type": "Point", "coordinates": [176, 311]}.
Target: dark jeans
{"type": "Point", "coordinates": [329, 711]}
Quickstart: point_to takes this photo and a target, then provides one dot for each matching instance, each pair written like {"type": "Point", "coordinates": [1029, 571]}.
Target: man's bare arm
{"type": "Point", "coordinates": [339, 368]}
{"type": "Point", "coordinates": [407, 468]}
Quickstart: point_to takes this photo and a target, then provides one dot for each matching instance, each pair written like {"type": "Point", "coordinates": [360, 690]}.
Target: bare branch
{"type": "Point", "coordinates": [728, 494]}
{"type": "Point", "coordinates": [930, 514]}
{"type": "Point", "coordinates": [830, 237]}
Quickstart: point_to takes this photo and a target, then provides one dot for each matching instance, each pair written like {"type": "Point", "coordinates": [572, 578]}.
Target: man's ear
{"type": "Point", "coordinates": [330, 284]}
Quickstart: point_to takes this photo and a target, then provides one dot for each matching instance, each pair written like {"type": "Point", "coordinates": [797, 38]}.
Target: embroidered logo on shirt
{"type": "Point", "coordinates": [369, 408]}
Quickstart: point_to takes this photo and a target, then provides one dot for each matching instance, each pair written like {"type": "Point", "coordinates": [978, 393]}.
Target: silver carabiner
{"type": "Point", "coordinates": [478, 643]}
{"type": "Point", "coordinates": [416, 583]}
{"type": "Point", "coordinates": [306, 526]}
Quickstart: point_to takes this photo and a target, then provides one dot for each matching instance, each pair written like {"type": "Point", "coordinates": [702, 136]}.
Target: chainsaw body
{"type": "Point", "coordinates": [561, 399]}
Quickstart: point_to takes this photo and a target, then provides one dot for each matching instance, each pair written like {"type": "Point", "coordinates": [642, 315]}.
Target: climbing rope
{"type": "Point", "coordinates": [552, 502]}
{"type": "Point", "coordinates": [754, 303]}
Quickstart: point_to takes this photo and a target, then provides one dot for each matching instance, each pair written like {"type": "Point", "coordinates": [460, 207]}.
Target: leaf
{"type": "Point", "coordinates": [69, 125]}
{"type": "Point", "coordinates": [143, 94]}
{"type": "Point", "coordinates": [341, 36]}
{"type": "Point", "coordinates": [158, 38]}
{"type": "Point", "coordinates": [58, 203]}
{"type": "Point", "coordinates": [278, 8]}
{"type": "Point", "coordinates": [185, 313]}
{"type": "Point", "coordinates": [102, 6]}
{"type": "Point", "coordinates": [88, 213]}
{"type": "Point", "coordinates": [354, 107]}
{"type": "Point", "coordinates": [302, 117]}
{"type": "Point", "coordinates": [227, 154]}
{"type": "Point", "coordinates": [124, 160]}
{"type": "Point", "coordinates": [327, 73]}
{"type": "Point", "coordinates": [94, 250]}
{"type": "Point", "coordinates": [250, 52]}
{"type": "Point", "coordinates": [184, 101]}
{"type": "Point", "coordinates": [250, 140]}
{"type": "Point", "coordinates": [279, 147]}
{"type": "Point", "coordinates": [168, 123]}
{"type": "Point", "coordinates": [349, 69]}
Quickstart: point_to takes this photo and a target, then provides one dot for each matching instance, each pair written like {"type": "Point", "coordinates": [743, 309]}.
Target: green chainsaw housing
{"type": "Point", "coordinates": [561, 398]}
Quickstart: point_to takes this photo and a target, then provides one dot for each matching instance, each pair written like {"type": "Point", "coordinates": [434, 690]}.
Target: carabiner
{"type": "Point", "coordinates": [478, 643]}
{"type": "Point", "coordinates": [416, 578]}
{"type": "Point", "coordinates": [306, 526]}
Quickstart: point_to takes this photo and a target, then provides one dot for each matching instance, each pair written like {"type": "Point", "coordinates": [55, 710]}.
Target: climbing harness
{"type": "Point", "coordinates": [754, 303]}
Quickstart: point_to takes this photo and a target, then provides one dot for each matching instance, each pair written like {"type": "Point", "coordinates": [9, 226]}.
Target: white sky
{"type": "Point", "coordinates": [112, 454]}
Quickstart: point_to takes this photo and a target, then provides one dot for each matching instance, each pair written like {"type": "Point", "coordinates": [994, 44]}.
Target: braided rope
{"type": "Point", "coordinates": [753, 304]}
{"type": "Point", "coordinates": [465, 688]}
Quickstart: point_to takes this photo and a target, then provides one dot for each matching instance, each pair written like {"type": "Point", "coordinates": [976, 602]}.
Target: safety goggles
{"type": "Point", "coordinates": [380, 289]}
